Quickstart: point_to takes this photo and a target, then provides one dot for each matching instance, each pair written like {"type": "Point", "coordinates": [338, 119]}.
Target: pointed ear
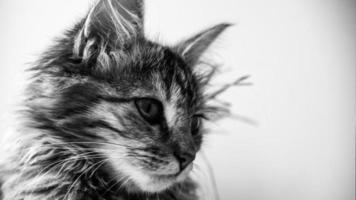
{"type": "Point", "coordinates": [110, 23]}
{"type": "Point", "coordinates": [192, 49]}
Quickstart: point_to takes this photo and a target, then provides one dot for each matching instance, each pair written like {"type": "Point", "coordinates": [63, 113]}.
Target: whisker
{"type": "Point", "coordinates": [115, 183]}
{"type": "Point", "coordinates": [100, 143]}
{"type": "Point", "coordinates": [238, 82]}
{"type": "Point", "coordinates": [211, 175]}
{"type": "Point", "coordinates": [78, 178]}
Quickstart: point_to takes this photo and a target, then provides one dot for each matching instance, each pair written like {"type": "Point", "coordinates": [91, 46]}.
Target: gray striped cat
{"type": "Point", "coordinates": [110, 114]}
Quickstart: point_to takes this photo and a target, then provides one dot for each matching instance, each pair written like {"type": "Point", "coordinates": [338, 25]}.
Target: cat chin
{"type": "Point", "coordinates": [141, 181]}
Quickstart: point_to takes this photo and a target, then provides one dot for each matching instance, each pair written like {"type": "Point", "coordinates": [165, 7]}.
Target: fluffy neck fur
{"type": "Point", "coordinates": [41, 167]}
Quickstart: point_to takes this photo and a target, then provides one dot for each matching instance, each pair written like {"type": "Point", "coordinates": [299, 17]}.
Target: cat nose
{"type": "Point", "coordinates": [184, 159]}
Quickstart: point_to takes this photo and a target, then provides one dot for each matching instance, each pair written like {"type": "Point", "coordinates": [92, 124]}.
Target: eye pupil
{"type": "Point", "coordinates": [150, 109]}
{"type": "Point", "coordinates": [146, 107]}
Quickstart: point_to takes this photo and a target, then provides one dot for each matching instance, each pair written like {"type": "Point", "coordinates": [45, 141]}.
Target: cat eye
{"type": "Point", "coordinates": [150, 109]}
{"type": "Point", "coordinates": [195, 125]}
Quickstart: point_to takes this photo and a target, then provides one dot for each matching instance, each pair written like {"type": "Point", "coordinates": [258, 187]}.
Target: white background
{"type": "Point", "coordinates": [301, 55]}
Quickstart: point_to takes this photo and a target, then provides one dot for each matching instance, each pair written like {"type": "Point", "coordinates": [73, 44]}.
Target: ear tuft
{"type": "Point", "coordinates": [192, 49]}
{"type": "Point", "coordinates": [110, 23]}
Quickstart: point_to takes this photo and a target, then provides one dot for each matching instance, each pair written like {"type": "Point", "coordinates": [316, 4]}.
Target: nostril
{"type": "Point", "coordinates": [185, 159]}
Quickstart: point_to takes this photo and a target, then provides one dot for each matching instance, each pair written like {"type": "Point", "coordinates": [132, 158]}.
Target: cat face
{"type": "Point", "coordinates": [136, 103]}
{"type": "Point", "coordinates": [155, 116]}
{"type": "Point", "coordinates": [150, 108]}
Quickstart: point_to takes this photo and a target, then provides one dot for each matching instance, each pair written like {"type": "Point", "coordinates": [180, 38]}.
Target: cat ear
{"type": "Point", "coordinates": [192, 49]}
{"type": "Point", "coordinates": [110, 23]}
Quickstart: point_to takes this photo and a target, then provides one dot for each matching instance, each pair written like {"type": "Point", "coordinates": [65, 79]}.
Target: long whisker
{"type": "Point", "coordinates": [100, 143]}
{"type": "Point", "coordinates": [115, 183]}
{"type": "Point", "coordinates": [239, 82]}
{"type": "Point", "coordinates": [211, 175]}
{"type": "Point", "coordinates": [62, 164]}
{"type": "Point", "coordinates": [78, 178]}
{"type": "Point", "coordinates": [97, 168]}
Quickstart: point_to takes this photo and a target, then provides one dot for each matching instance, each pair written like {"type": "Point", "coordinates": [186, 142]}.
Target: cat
{"type": "Point", "coordinates": [110, 114]}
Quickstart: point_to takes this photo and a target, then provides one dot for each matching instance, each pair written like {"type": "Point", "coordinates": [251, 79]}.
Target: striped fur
{"type": "Point", "coordinates": [81, 136]}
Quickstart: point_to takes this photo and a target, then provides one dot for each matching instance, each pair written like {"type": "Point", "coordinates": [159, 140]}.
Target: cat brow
{"type": "Point", "coordinates": [115, 99]}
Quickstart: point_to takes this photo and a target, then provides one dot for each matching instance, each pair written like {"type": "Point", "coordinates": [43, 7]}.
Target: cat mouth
{"type": "Point", "coordinates": [161, 182]}
{"type": "Point", "coordinates": [145, 180]}
{"type": "Point", "coordinates": [181, 175]}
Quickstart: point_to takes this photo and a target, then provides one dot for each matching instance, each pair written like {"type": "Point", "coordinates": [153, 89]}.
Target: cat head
{"type": "Point", "coordinates": [108, 89]}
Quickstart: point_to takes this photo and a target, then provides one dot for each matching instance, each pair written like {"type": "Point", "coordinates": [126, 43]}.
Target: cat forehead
{"type": "Point", "coordinates": [167, 75]}
{"type": "Point", "coordinates": [147, 69]}
{"type": "Point", "coordinates": [152, 66]}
